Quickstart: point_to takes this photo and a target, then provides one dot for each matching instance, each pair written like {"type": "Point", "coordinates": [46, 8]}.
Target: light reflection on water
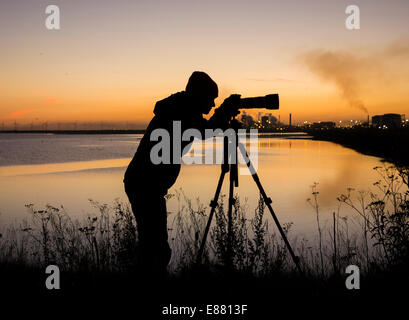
{"type": "Point", "coordinates": [287, 168]}
{"type": "Point", "coordinates": [50, 168]}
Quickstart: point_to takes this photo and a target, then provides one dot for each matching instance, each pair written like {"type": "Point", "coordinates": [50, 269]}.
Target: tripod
{"type": "Point", "coordinates": [234, 182]}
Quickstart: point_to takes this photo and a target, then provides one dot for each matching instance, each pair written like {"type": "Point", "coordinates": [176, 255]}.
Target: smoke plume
{"type": "Point", "coordinates": [357, 73]}
{"type": "Point", "coordinates": [342, 69]}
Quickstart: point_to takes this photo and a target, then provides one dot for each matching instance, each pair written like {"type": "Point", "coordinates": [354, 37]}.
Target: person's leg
{"type": "Point", "coordinates": [150, 213]}
{"type": "Point", "coordinates": [162, 245]}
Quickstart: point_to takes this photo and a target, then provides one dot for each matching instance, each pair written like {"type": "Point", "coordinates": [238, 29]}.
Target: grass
{"type": "Point", "coordinates": [102, 246]}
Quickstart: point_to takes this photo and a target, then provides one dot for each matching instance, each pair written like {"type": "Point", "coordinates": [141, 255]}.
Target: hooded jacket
{"type": "Point", "coordinates": [141, 173]}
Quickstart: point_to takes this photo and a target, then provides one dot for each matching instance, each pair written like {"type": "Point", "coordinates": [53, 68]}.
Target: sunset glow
{"type": "Point", "coordinates": [112, 60]}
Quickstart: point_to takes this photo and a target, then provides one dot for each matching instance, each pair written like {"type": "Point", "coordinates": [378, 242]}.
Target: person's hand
{"type": "Point", "coordinates": [230, 105]}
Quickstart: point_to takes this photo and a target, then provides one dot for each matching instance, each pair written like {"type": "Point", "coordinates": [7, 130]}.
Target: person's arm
{"type": "Point", "coordinates": [223, 114]}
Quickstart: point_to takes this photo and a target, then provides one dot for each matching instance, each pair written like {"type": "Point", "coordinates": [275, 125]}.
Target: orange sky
{"type": "Point", "coordinates": [112, 60]}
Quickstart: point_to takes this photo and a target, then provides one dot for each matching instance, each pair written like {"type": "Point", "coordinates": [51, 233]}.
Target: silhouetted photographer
{"type": "Point", "coordinates": [146, 184]}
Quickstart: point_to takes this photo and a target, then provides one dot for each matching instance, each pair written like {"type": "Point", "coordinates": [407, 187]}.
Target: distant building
{"type": "Point", "coordinates": [247, 120]}
{"type": "Point", "coordinates": [273, 120]}
{"type": "Point", "coordinates": [265, 121]}
{"type": "Point", "coordinates": [388, 120]}
{"type": "Point", "coordinates": [323, 125]}
{"type": "Point", "coordinates": [377, 121]}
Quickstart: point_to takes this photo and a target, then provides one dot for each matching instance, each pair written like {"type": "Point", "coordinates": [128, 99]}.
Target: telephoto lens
{"type": "Point", "coordinates": [269, 101]}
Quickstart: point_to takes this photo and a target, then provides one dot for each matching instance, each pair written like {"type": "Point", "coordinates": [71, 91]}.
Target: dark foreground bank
{"type": "Point", "coordinates": [390, 144]}
{"type": "Point", "coordinates": [96, 294]}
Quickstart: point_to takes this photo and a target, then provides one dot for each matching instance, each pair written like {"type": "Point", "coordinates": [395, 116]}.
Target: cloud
{"type": "Point", "coordinates": [398, 49]}
{"type": "Point", "coordinates": [17, 114]}
{"type": "Point", "coordinates": [273, 80]}
{"type": "Point", "coordinates": [50, 101]}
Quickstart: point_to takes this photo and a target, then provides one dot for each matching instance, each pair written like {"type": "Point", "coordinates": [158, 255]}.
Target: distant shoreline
{"type": "Point", "coordinates": [141, 131]}
{"type": "Point", "coordinates": [265, 133]}
{"type": "Point", "coordinates": [391, 145]}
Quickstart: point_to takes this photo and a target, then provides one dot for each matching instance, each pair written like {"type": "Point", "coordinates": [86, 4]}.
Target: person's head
{"type": "Point", "coordinates": [203, 91]}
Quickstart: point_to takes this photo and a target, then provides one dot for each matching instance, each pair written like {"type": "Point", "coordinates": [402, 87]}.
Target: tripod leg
{"type": "Point", "coordinates": [213, 205]}
{"type": "Point", "coordinates": [234, 182]}
{"type": "Point", "coordinates": [268, 202]}
{"type": "Point", "coordinates": [230, 215]}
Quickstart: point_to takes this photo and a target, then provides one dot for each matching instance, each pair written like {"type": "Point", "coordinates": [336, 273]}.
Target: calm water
{"type": "Point", "coordinates": [70, 169]}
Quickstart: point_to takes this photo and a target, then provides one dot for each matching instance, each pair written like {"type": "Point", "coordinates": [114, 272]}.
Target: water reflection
{"type": "Point", "coordinates": [10, 171]}
{"type": "Point", "coordinates": [287, 168]}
